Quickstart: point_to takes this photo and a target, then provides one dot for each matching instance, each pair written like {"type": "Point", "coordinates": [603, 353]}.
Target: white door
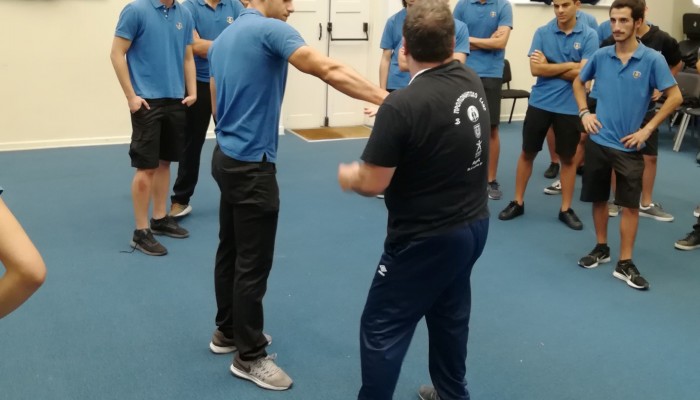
{"type": "Point", "coordinates": [305, 96]}
{"type": "Point", "coordinates": [349, 44]}
{"type": "Point", "coordinates": [309, 102]}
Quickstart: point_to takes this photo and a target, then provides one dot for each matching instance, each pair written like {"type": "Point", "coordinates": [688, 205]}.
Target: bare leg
{"type": "Point", "coordinates": [568, 181]}
{"type": "Point", "coordinates": [628, 231]}
{"type": "Point", "coordinates": [648, 179]}
{"type": "Point", "coordinates": [141, 195]}
{"type": "Point", "coordinates": [494, 152]}
{"type": "Point", "coordinates": [161, 186]}
{"type": "Point", "coordinates": [25, 269]}
{"type": "Point", "coordinates": [600, 221]}
{"type": "Point", "coordinates": [522, 175]}
{"type": "Point", "coordinates": [553, 156]}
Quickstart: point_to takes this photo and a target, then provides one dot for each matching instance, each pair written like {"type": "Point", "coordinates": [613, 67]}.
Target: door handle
{"type": "Point", "coordinates": [365, 30]}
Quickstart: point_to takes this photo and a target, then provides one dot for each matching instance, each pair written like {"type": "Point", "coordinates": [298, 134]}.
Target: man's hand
{"type": "Point", "coordinates": [347, 174]}
{"type": "Point", "coordinates": [591, 124]}
{"type": "Point", "coordinates": [538, 57]}
{"type": "Point", "coordinates": [371, 111]}
{"type": "Point", "coordinates": [656, 95]}
{"type": "Point", "coordinates": [136, 102]}
{"type": "Point", "coordinates": [637, 139]}
{"type": "Point", "coordinates": [189, 100]}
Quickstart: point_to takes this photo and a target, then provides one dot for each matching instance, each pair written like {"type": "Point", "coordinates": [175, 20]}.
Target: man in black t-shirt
{"type": "Point", "coordinates": [428, 152]}
{"type": "Point", "coordinates": [654, 38]}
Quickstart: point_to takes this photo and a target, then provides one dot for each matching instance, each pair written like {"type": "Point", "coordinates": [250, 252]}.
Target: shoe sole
{"type": "Point", "coordinates": [144, 251]}
{"type": "Point", "coordinates": [232, 349]}
{"type": "Point", "coordinates": [684, 247]}
{"type": "Point", "coordinates": [182, 213]}
{"type": "Point", "coordinates": [696, 214]}
{"type": "Point", "coordinates": [623, 277]}
{"type": "Point", "coordinates": [613, 214]}
{"type": "Point", "coordinates": [495, 197]}
{"type": "Point", "coordinates": [243, 375]}
{"type": "Point", "coordinates": [169, 234]}
{"type": "Point", "coordinates": [551, 192]}
{"type": "Point", "coordinates": [656, 217]}
{"type": "Point", "coordinates": [600, 261]}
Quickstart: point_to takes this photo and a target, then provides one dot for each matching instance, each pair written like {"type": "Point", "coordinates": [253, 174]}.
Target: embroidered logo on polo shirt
{"type": "Point", "coordinates": [577, 46]}
{"type": "Point", "coordinates": [473, 113]}
{"type": "Point", "coordinates": [229, 19]}
{"type": "Point", "coordinates": [178, 25]}
{"type": "Point", "coordinates": [382, 270]}
{"type": "Point", "coordinates": [477, 131]}
{"type": "Point", "coordinates": [493, 14]}
{"type": "Point", "coordinates": [636, 74]}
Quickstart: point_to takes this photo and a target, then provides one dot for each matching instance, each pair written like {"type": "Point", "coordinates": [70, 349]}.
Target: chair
{"type": "Point", "coordinates": [689, 85]}
{"type": "Point", "coordinates": [690, 46]}
{"type": "Point", "coordinates": [509, 93]}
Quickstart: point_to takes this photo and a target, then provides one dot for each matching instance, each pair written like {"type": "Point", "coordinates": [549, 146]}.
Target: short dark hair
{"type": "Point", "coordinates": [404, 3]}
{"type": "Point", "coordinates": [429, 31]}
{"type": "Point", "coordinates": [637, 6]}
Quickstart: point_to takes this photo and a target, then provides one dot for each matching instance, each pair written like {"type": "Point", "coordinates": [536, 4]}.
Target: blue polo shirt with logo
{"type": "Point", "coordinates": [156, 57]}
{"type": "Point", "coordinates": [392, 40]}
{"type": "Point", "coordinates": [624, 90]}
{"type": "Point", "coordinates": [248, 63]}
{"type": "Point", "coordinates": [483, 19]}
{"type": "Point", "coordinates": [209, 23]}
{"type": "Point", "coordinates": [556, 94]}
{"type": "Point", "coordinates": [587, 19]}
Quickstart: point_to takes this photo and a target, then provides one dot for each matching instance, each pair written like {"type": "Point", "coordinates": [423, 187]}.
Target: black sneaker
{"type": "Point", "coordinates": [690, 242]}
{"type": "Point", "coordinates": [144, 241]}
{"type": "Point", "coordinates": [628, 272]}
{"type": "Point", "coordinates": [169, 227]}
{"type": "Point", "coordinates": [599, 255]}
{"type": "Point", "coordinates": [570, 219]}
{"type": "Point", "coordinates": [552, 171]}
{"type": "Point", "coordinates": [512, 210]}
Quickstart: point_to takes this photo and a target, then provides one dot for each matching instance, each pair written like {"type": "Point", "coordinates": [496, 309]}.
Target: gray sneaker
{"type": "Point", "coordinates": [494, 190]}
{"type": "Point", "coordinates": [426, 392]}
{"type": "Point", "coordinates": [696, 212]}
{"type": "Point", "coordinates": [656, 212]}
{"type": "Point", "coordinates": [220, 344]}
{"type": "Point", "coordinates": [263, 372]}
{"type": "Point", "coordinates": [613, 209]}
{"type": "Point", "coordinates": [554, 188]}
{"type": "Point", "coordinates": [690, 242]}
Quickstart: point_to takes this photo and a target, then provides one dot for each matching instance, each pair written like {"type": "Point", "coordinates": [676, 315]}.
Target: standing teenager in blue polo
{"type": "Point", "coordinates": [438, 218]}
{"type": "Point", "coordinates": [210, 17]}
{"type": "Point", "coordinates": [390, 76]}
{"type": "Point", "coordinates": [249, 63]}
{"type": "Point", "coordinates": [152, 57]}
{"type": "Point", "coordinates": [559, 49]}
{"type": "Point", "coordinates": [626, 76]}
{"type": "Point", "coordinates": [489, 23]}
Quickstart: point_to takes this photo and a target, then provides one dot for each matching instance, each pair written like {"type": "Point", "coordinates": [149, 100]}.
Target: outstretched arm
{"type": "Point", "coordinates": [25, 270]}
{"type": "Point", "coordinates": [343, 78]}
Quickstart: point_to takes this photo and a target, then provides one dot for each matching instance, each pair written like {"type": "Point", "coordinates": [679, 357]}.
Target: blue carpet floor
{"type": "Point", "coordinates": [114, 325]}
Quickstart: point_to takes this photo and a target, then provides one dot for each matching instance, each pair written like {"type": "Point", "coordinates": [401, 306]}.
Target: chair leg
{"type": "Point", "coordinates": [511, 111]}
{"type": "Point", "coordinates": [681, 132]}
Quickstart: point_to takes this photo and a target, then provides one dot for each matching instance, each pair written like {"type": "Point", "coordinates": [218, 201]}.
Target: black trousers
{"type": "Point", "coordinates": [248, 212]}
{"type": "Point", "coordinates": [197, 122]}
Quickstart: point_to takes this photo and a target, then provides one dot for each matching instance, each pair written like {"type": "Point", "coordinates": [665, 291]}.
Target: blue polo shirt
{"type": "Point", "coordinates": [587, 19]}
{"type": "Point", "coordinates": [461, 37]}
{"type": "Point", "coordinates": [392, 40]}
{"type": "Point", "coordinates": [249, 66]}
{"type": "Point", "coordinates": [604, 30]}
{"type": "Point", "coordinates": [209, 23]}
{"type": "Point", "coordinates": [156, 57]}
{"type": "Point", "coordinates": [624, 91]}
{"type": "Point", "coordinates": [556, 94]}
{"type": "Point", "coordinates": [483, 19]}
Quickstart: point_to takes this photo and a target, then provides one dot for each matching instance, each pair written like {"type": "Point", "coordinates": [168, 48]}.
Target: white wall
{"type": "Point", "coordinates": [58, 86]}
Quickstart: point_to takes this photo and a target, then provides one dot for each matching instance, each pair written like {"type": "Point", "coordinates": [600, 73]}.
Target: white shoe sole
{"type": "Point", "coordinates": [696, 214]}
{"type": "Point", "coordinates": [182, 213]}
{"type": "Point", "coordinates": [600, 261]}
{"type": "Point", "coordinates": [683, 247]}
{"type": "Point", "coordinates": [656, 217]}
{"type": "Point", "coordinates": [221, 350]}
{"type": "Point", "coordinates": [244, 375]}
{"type": "Point", "coordinates": [623, 277]}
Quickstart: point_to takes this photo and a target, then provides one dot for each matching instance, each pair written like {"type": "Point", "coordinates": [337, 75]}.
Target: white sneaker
{"type": "Point", "coordinates": [554, 188]}
{"type": "Point", "coordinates": [263, 372]}
{"type": "Point", "coordinates": [696, 212]}
{"type": "Point", "coordinates": [613, 209]}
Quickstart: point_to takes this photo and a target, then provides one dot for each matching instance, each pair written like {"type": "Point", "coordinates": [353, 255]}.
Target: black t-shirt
{"type": "Point", "coordinates": [658, 40]}
{"type": "Point", "coordinates": [436, 133]}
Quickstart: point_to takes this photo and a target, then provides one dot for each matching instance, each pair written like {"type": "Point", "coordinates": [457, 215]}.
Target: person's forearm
{"type": "Point", "coordinates": [580, 93]}
{"type": "Point", "coordinates": [348, 81]}
{"type": "Point", "coordinates": [190, 75]}
{"type": "Point", "coordinates": [384, 73]}
{"type": "Point", "coordinates": [200, 47]}
{"type": "Point", "coordinates": [551, 70]}
{"type": "Point", "coordinates": [122, 70]}
{"type": "Point", "coordinates": [673, 100]}
{"type": "Point", "coordinates": [492, 43]}
{"type": "Point", "coordinates": [570, 75]}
